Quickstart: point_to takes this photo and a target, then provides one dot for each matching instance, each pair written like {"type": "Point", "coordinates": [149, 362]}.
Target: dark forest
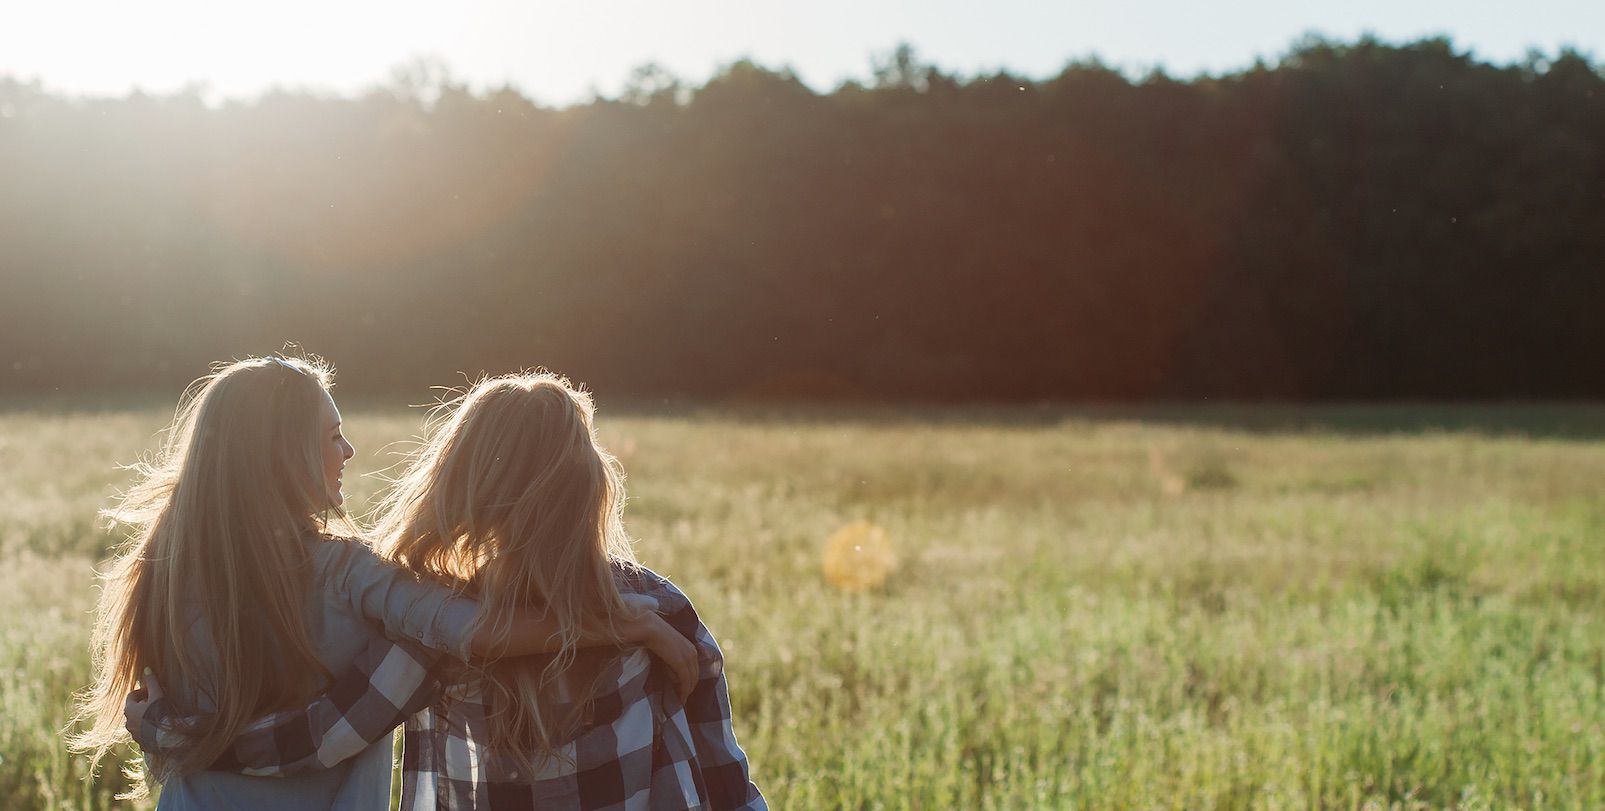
{"type": "Point", "coordinates": [1357, 220]}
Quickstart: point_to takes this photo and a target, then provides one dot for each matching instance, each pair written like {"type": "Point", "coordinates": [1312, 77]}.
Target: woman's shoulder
{"type": "Point", "coordinates": [638, 579]}
{"type": "Point", "coordinates": [330, 537]}
{"type": "Point", "coordinates": [331, 552]}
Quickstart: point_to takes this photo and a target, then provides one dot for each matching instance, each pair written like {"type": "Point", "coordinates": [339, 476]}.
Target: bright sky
{"type": "Point", "coordinates": [559, 52]}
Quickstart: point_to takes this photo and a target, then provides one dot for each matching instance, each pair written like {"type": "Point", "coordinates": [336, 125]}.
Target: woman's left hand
{"type": "Point", "coordinates": [139, 701]}
{"type": "Point", "coordinates": [658, 636]}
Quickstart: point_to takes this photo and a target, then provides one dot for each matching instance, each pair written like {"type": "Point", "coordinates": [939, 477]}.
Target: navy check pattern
{"type": "Point", "coordinates": [640, 748]}
{"type": "Point", "coordinates": [390, 681]}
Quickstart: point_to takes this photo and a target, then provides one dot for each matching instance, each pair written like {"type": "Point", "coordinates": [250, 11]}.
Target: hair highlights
{"type": "Point", "coordinates": [221, 519]}
{"type": "Point", "coordinates": [512, 498]}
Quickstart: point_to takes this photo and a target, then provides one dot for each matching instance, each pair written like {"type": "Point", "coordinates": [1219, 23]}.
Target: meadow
{"type": "Point", "coordinates": [1381, 607]}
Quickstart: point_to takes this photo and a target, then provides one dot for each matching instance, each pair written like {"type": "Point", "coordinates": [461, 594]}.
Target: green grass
{"type": "Point", "coordinates": [1096, 608]}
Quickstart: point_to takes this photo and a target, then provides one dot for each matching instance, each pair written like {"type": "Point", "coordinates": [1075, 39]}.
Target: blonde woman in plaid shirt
{"type": "Point", "coordinates": [512, 498]}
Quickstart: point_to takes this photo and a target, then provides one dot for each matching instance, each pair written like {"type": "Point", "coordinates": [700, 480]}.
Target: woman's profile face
{"type": "Point", "coordinates": [336, 451]}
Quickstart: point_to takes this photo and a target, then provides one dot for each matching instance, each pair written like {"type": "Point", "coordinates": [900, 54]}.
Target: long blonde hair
{"type": "Point", "coordinates": [221, 519]}
{"type": "Point", "coordinates": [512, 498]}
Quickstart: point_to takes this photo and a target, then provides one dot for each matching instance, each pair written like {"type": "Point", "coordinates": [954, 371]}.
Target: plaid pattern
{"type": "Point", "coordinates": [387, 683]}
{"type": "Point", "coordinates": [640, 748]}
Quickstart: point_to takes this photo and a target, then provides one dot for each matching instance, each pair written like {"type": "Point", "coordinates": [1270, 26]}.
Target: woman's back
{"type": "Point", "coordinates": [353, 599]}
{"type": "Point", "coordinates": [638, 745]}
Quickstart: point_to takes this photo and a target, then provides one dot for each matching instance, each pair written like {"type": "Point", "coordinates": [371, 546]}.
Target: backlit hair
{"type": "Point", "coordinates": [511, 498]}
{"type": "Point", "coordinates": [222, 521]}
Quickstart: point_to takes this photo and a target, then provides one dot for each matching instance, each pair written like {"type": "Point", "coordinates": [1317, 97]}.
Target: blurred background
{"type": "Point", "coordinates": [913, 202]}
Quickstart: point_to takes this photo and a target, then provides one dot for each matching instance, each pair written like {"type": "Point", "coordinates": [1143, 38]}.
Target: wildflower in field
{"type": "Point", "coordinates": [859, 557]}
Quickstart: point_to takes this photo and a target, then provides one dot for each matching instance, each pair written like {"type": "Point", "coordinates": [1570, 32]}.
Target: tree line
{"type": "Point", "coordinates": [1357, 220]}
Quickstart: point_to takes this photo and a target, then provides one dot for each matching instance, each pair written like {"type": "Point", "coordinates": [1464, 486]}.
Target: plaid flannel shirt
{"type": "Point", "coordinates": [640, 749]}
{"type": "Point", "coordinates": [389, 682]}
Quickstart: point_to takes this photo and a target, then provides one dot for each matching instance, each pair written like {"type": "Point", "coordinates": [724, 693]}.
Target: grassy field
{"type": "Point", "coordinates": [1165, 608]}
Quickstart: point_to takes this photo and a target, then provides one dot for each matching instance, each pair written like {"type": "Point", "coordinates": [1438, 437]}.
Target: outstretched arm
{"type": "Point", "coordinates": [532, 633]}
{"type": "Point", "coordinates": [439, 618]}
{"type": "Point", "coordinates": [389, 681]}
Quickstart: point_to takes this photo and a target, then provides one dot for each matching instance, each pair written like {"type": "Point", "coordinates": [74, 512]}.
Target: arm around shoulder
{"type": "Point", "coordinates": [408, 606]}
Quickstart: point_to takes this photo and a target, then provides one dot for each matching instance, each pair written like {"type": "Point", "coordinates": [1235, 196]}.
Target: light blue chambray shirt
{"type": "Point", "coordinates": [355, 598]}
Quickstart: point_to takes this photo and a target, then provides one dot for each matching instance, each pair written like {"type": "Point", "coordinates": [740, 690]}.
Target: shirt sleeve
{"type": "Point", "coordinates": [719, 758]}
{"type": "Point", "coordinates": [389, 682]}
{"type": "Point", "coordinates": [409, 608]}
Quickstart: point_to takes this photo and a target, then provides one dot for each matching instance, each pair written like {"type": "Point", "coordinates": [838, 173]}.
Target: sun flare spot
{"type": "Point", "coordinates": [859, 557]}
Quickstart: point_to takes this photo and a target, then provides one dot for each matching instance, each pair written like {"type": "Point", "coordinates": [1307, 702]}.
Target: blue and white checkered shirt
{"type": "Point", "coordinates": [640, 748]}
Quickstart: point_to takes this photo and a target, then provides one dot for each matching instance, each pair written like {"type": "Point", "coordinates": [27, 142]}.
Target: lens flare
{"type": "Point", "coordinates": [859, 557]}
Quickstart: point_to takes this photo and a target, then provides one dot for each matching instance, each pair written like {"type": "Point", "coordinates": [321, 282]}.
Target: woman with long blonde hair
{"type": "Point", "coordinates": [237, 594]}
{"type": "Point", "coordinates": [512, 498]}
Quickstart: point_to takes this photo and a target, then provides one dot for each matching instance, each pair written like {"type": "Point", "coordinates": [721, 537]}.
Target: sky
{"type": "Point", "coordinates": [561, 53]}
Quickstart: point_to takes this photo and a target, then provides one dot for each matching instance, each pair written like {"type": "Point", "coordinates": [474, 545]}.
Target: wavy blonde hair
{"type": "Point", "coordinates": [511, 498]}
{"type": "Point", "coordinates": [220, 520]}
